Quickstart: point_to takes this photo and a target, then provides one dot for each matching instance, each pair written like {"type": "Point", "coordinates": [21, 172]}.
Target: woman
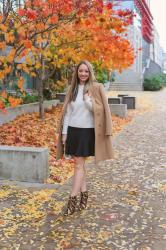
{"type": "Point", "coordinates": [85, 129]}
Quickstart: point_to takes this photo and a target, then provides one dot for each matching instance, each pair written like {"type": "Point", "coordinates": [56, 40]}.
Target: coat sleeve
{"type": "Point", "coordinates": [108, 119]}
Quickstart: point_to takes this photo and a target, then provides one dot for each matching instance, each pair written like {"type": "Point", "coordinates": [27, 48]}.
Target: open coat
{"type": "Point", "coordinates": [102, 124]}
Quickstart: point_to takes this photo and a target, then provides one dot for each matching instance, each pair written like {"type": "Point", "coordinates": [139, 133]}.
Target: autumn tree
{"type": "Point", "coordinates": [27, 33]}
{"type": "Point", "coordinates": [41, 36]}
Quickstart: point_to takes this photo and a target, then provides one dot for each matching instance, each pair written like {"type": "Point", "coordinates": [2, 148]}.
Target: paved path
{"type": "Point", "coordinates": [127, 207]}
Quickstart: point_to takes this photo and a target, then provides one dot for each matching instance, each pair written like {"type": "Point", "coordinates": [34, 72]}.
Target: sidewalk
{"type": "Point", "coordinates": [127, 207]}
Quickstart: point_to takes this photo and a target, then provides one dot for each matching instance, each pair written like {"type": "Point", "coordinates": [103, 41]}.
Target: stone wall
{"type": "Point", "coordinates": [12, 113]}
{"type": "Point", "coordinates": [24, 163]}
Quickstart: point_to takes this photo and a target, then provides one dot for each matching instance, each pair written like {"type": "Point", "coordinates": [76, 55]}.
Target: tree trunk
{"type": "Point", "coordinates": [41, 83]}
{"type": "Point", "coordinates": [4, 83]}
{"type": "Point", "coordinates": [41, 104]}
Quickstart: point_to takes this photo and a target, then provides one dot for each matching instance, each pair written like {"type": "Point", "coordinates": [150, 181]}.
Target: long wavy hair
{"type": "Point", "coordinates": [73, 91]}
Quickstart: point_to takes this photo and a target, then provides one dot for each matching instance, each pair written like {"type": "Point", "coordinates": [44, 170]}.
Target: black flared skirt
{"type": "Point", "coordinates": [80, 142]}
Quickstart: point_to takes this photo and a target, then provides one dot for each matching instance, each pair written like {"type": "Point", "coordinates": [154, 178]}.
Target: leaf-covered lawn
{"type": "Point", "coordinates": [29, 130]}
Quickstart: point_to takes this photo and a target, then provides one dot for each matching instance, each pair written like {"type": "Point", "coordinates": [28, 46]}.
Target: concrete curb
{"type": "Point", "coordinates": [12, 113]}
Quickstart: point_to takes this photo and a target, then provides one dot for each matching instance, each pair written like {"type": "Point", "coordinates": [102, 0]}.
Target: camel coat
{"type": "Point", "coordinates": [102, 124]}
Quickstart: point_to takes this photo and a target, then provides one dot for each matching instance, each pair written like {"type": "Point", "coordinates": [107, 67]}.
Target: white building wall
{"type": "Point", "coordinates": [133, 75]}
{"type": "Point", "coordinates": [137, 43]}
{"type": "Point", "coordinates": [157, 48]}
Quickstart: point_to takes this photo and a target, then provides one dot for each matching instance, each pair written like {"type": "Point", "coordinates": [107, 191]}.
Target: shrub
{"type": "Point", "coordinates": [30, 99]}
{"type": "Point", "coordinates": [155, 82]}
{"type": "Point", "coordinates": [102, 75]}
{"type": "Point", "coordinates": [162, 78]}
{"type": "Point", "coordinates": [152, 84]}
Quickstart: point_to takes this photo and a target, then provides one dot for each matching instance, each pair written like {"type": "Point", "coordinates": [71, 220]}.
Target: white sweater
{"type": "Point", "coordinates": [79, 114]}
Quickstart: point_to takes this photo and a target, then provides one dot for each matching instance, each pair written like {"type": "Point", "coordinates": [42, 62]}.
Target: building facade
{"type": "Point", "coordinates": [142, 34]}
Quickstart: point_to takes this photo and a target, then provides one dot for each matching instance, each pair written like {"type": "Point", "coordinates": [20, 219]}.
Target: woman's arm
{"type": "Point", "coordinates": [108, 119]}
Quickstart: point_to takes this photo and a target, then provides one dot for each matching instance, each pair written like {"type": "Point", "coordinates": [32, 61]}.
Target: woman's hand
{"type": "Point", "coordinates": [64, 137]}
{"type": "Point", "coordinates": [87, 95]}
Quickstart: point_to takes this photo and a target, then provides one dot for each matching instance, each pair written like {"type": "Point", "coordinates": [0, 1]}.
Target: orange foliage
{"type": "Point", "coordinates": [2, 105]}
{"type": "Point", "coordinates": [77, 30]}
{"type": "Point", "coordinates": [27, 43]}
{"type": "Point", "coordinates": [14, 101]}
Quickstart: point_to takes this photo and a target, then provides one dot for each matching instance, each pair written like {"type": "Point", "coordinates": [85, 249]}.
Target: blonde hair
{"type": "Point", "coordinates": [75, 81]}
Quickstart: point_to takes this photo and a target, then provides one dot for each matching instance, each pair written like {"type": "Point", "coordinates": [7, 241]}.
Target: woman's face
{"type": "Point", "coordinates": [83, 73]}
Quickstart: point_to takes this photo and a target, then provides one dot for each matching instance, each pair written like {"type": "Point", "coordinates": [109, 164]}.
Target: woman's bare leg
{"type": "Point", "coordinates": [79, 173]}
{"type": "Point", "coordinates": [83, 185]}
